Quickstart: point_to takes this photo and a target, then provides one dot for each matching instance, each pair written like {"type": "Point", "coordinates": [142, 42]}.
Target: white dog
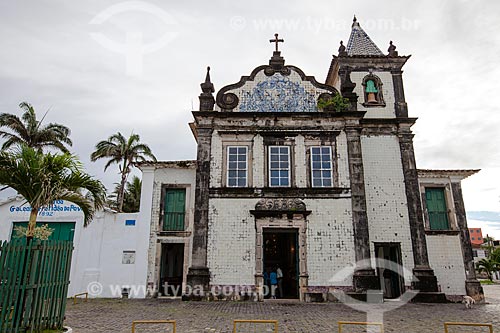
{"type": "Point", "coordinates": [468, 301]}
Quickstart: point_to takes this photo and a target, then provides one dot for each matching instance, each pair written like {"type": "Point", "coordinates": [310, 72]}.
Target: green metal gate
{"type": "Point", "coordinates": [61, 230]}
{"type": "Point", "coordinates": [34, 283]}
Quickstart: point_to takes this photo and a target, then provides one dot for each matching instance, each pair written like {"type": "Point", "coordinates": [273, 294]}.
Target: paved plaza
{"type": "Point", "coordinates": [106, 315]}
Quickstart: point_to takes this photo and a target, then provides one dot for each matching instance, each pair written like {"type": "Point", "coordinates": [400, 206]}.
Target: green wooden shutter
{"type": "Point", "coordinates": [174, 210]}
{"type": "Point", "coordinates": [436, 208]}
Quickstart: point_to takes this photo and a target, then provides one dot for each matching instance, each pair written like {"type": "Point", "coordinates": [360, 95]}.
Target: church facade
{"type": "Point", "coordinates": [318, 179]}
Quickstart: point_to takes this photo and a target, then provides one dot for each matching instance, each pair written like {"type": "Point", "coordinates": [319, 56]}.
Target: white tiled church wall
{"type": "Point", "coordinates": [231, 241]}
{"type": "Point", "coordinates": [343, 161]}
{"type": "Point", "coordinates": [216, 163]}
{"type": "Point", "coordinates": [330, 240]}
{"type": "Point", "coordinates": [300, 162]}
{"type": "Point", "coordinates": [387, 93]}
{"type": "Point", "coordinates": [445, 258]}
{"type": "Point", "coordinates": [386, 197]}
{"type": "Point", "coordinates": [258, 157]}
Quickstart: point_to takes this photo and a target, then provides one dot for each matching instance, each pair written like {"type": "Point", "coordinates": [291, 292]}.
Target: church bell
{"type": "Point", "coordinates": [371, 98]}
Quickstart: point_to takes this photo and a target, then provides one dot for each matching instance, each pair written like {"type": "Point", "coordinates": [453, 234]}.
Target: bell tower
{"type": "Point", "coordinates": [377, 76]}
{"type": "Point", "coordinates": [373, 83]}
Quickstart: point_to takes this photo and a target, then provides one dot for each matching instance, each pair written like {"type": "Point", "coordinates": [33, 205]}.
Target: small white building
{"type": "Point", "coordinates": [110, 254]}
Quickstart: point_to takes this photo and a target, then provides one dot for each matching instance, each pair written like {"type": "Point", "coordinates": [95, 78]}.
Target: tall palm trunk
{"type": "Point", "coordinates": [121, 193]}
{"type": "Point", "coordinates": [32, 224]}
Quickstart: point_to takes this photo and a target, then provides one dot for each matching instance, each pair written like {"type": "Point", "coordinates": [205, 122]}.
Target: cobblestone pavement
{"type": "Point", "coordinates": [106, 315]}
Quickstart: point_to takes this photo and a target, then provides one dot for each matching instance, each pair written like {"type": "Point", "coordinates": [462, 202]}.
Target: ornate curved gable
{"type": "Point", "coordinates": [274, 88]}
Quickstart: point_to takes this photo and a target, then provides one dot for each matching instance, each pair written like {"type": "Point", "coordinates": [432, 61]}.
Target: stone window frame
{"type": "Point", "coordinates": [450, 208]}
{"type": "Point", "coordinates": [227, 148]}
{"type": "Point", "coordinates": [269, 161]}
{"type": "Point", "coordinates": [332, 143]}
{"type": "Point", "coordinates": [233, 142]}
{"type": "Point", "coordinates": [380, 95]}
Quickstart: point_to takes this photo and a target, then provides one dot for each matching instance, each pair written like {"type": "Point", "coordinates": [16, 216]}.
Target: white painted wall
{"type": "Point", "coordinates": [330, 240]}
{"type": "Point", "coordinates": [445, 257]}
{"type": "Point", "coordinates": [98, 248]}
{"type": "Point", "coordinates": [386, 197]}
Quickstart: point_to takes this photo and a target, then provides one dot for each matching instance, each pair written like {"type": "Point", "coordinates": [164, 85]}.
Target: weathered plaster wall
{"type": "Point", "coordinates": [330, 242]}
{"type": "Point", "coordinates": [387, 93]}
{"type": "Point", "coordinates": [231, 241]}
{"type": "Point", "coordinates": [385, 196]}
{"type": "Point", "coordinates": [170, 176]}
{"type": "Point", "coordinates": [445, 257]}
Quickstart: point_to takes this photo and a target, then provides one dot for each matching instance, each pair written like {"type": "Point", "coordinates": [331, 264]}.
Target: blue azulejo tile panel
{"type": "Point", "coordinates": [277, 93]}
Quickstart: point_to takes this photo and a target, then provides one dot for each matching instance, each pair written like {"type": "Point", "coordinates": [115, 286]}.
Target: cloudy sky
{"type": "Point", "coordinates": [132, 66]}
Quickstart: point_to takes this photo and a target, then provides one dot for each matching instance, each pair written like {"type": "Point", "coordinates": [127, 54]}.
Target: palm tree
{"type": "Point", "coordinates": [124, 152]}
{"type": "Point", "coordinates": [43, 178]}
{"type": "Point", "coordinates": [29, 131]}
{"type": "Point", "coordinates": [488, 266]}
{"type": "Point", "coordinates": [131, 196]}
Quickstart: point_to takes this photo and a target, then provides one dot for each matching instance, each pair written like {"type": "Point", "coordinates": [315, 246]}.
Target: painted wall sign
{"type": "Point", "coordinates": [50, 210]}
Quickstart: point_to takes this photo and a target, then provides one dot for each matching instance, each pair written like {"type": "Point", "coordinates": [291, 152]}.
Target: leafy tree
{"type": "Point", "coordinates": [30, 131]}
{"type": "Point", "coordinates": [43, 178]}
{"type": "Point", "coordinates": [132, 196]}
{"type": "Point", "coordinates": [488, 266]}
{"type": "Point", "coordinates": [124, 152]}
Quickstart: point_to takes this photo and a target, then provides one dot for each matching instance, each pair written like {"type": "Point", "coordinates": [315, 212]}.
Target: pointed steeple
{"type": "Point", "coordinates": [360, 43]}
{"type": "Point", "coordinates": [207, 100]}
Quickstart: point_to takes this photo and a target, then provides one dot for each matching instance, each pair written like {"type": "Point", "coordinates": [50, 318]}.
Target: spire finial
{"type": "Point", "coordinates": [207, 78]}
{"type": "Point", "coordinates": [355, 22]}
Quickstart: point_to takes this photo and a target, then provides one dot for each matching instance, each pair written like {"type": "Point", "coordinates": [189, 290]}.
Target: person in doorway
{"type": "Point", "coordinates": [267, 281]}
{"type": "Point", "coordinates": [274, 283]}
{"type": "Point", "coordinates": [279, 275]}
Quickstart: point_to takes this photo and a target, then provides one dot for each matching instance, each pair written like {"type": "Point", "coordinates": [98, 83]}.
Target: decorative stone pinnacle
{"type": "Point", "coordinates": [392, 50]}
{"type": "Point", "coordinates": [207, 100]}
{"type": "Point", "coordinates": [207, 87]}
{"type": "Point", "coordinates": [342, 49]}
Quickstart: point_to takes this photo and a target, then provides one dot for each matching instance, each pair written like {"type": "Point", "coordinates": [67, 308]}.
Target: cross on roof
{"type": "Point", "coordinates": [276, 41]}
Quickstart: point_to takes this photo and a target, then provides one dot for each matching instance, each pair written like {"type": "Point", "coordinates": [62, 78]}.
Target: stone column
{"type": "Point", "coordinates": [472, 285]}
{"type": "Point", "coordinates": [198, 273]}
{"type": "Point", "coordinates": [427, 282]}
{"type": "Point", "coordinates": [400, 105]}
{"type": "Point", "coordinates": [364, 275]}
